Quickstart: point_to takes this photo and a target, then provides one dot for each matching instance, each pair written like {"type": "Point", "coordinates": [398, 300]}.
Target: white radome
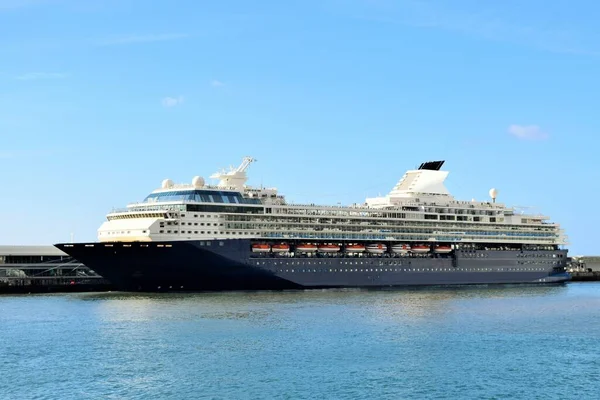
{"type": "Point", "coordinates": [493, 193]}
{"type": "Point", "coordinates": [167, 183]}
{"type": "Point", "coordinates": [198, 182]}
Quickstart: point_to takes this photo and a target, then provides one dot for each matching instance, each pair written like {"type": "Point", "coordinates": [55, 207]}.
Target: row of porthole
{"type": "Point", "coordinates": [414, 270]}
{"type": "Point", "coordinates": [195, 223]}
{"type": "Point", "coordinates": [205, 232]}
{"type": "Point", "coordinates": [539, 255]}
{"type": "Point", "coordinates": [400, 264]}
{"type": "Point", "coordinates": [196, 232]}
{"type": "Point", "coordinates": [329, 263]}
{"type": "Point", "coordinates": [539, 262]}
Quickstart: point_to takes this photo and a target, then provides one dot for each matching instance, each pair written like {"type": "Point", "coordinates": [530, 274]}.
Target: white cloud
{"type": "Point", "coordinates": [527, 132]}
{"type": "Point", "coordinates": [172, 101]}
{"type": "Point", "coordinates": [149, 38]}
{"type": "Point", "coordinates": [216, 83]}
{"type": "Point", "coordinates": [41, 75]}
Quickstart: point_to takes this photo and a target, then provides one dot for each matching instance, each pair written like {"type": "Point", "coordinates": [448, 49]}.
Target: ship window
{"type": "Point", "coordinates": [195, 231]}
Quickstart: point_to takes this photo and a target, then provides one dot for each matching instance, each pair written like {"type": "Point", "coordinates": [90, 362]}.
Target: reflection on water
{"type": "Point", "coordinates": [452, 342]}
{"type": "Point", "coordinates": [239, 305]}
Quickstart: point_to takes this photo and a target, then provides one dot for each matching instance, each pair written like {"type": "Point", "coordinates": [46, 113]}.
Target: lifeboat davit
{"type": "Point", "coordinates": [306, 248]}
{"type": "Point", "coordinates": [420, 248]}
{"type": "Point", "coordinates": [280, 248]}
{"type": "Point", "coordinates": [443, 249]}
{"type": "Point", "coordinates": [376, 248]}
{"type": "Point", "coordinates": [328, 248]}
{"type": "Point", "coordinates": [261, 248]}
{"type": "Point", "coordinates": [355, 248]}
{"type": "Point", "coordinates": [401, 248]}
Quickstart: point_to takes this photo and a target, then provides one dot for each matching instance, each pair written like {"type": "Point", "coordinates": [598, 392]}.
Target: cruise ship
{"type": "Point", "coordinates": [231, 236]}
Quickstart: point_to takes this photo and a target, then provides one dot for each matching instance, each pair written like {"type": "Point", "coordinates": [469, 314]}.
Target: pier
{"type": "Point", "coordinates": [43, 269]}
{"type": "Point", "coordinates": [584, 268]}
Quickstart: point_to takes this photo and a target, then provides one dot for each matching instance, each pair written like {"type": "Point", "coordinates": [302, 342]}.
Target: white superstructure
{"type": "Point", "coordinates": [418, 209]}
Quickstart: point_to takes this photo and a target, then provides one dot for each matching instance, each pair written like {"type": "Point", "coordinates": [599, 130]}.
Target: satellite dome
{"type": "Point", "coordinates": [167, 183]}
{"type": "Point", "coordinates": [198, 181]}
{"type": "Point", "coordinates": [493, 193]}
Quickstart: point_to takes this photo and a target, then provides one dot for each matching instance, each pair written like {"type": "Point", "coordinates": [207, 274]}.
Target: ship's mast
{"type": "Point", "coordinates": [245, 164]}
{"type": "Point", "coordinates": [235, 177]}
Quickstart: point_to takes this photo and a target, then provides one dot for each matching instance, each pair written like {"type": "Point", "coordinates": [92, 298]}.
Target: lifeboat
{"type": "Point", "coordinates": [328, 248]}
{"type": "Point", "coordinates": [280, 248]}
{"type": "Point", "coordinates": [420, 248]}
{"type": "Point", "coordinates": [355, 248]}
{"type": "Point", "coordinates": [443, 249]}
{"type": "Point", "coordinates": [401, 248]}
{"type": "Point", "coordinates": [261, 248]}
{"type": "Point", "coordinates": [306, 248]}
{"type": "Point", "coordinates": [376, 248]}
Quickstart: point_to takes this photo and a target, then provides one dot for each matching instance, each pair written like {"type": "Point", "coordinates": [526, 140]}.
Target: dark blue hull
{"type": "Point", "coordinates": [230, 265]}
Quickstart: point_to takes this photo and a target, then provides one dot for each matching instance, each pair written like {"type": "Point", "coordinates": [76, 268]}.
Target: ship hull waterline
{"type": "Point", "coordinates": [230, 265]}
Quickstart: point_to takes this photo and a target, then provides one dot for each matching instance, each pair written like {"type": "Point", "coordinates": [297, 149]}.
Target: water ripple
{"type": "Point", "coordinates": [446, 343]}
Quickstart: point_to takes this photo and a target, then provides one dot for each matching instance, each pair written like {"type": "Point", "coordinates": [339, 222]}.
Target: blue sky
{"type": "Point", "coordinates": [101, 100]}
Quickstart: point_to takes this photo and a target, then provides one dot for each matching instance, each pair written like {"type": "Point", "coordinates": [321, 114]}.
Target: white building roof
{"type": "Point", "coordinates": [32, 250]}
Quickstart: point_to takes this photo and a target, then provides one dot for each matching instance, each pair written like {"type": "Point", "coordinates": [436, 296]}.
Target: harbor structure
{"type": "Point", "coordinates": [584, 268]}
{"type": "Point", "coordinates": [44, 268]}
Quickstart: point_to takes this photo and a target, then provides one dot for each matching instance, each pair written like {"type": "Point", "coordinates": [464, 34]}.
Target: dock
{"type": "Point", "coordinates": [43, 269]}
{"type": "Point", "coordinates": [584, 268]}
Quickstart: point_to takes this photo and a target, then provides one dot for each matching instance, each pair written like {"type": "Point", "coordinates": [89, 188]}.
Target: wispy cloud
{"type": "Point", "coordinates": [478, 20]}
{"type": "Point", "coordinates": [216, 83]}
{"type": "Point", "coordinates": [147, 38]}
{"type": "Point", "coordinates": [172, 101]}
{"type": "Point", "coordinates": [41, 75]}
{"type": "Point", "coordinates": [527, 132]}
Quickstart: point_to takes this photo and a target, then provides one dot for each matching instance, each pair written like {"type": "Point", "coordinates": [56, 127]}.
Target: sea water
{"type": "Point", "coordinates": [488, 342]}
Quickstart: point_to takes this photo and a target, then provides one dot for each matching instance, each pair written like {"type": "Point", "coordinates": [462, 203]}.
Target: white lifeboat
{"type": "Point", "coordinates": [328, 248]}
{"type": "Point", "coordinates": [376, 248]}
{"type": "Point", "coordinates": [442, 249]}
{"type": "Point", "coordinates": [306, 248]}
{"type": "Point", "coordinates": [401, 248]}
{"type": "Point", "coordinates": [280, 248]}
{"type": "Point", "coordinates": [420, 249]}
{"type": "Point", "coordinates": [261, 248]}
{"type": "Point", "coordinates": [354, 248]}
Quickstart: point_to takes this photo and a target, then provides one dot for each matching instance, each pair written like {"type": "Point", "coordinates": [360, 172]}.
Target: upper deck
{"type": "Point", "coordinates": [418, 202]}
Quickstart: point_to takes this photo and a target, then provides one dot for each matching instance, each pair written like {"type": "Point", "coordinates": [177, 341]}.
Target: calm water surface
{"type": "Point", "coordinates": [460, 343]}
